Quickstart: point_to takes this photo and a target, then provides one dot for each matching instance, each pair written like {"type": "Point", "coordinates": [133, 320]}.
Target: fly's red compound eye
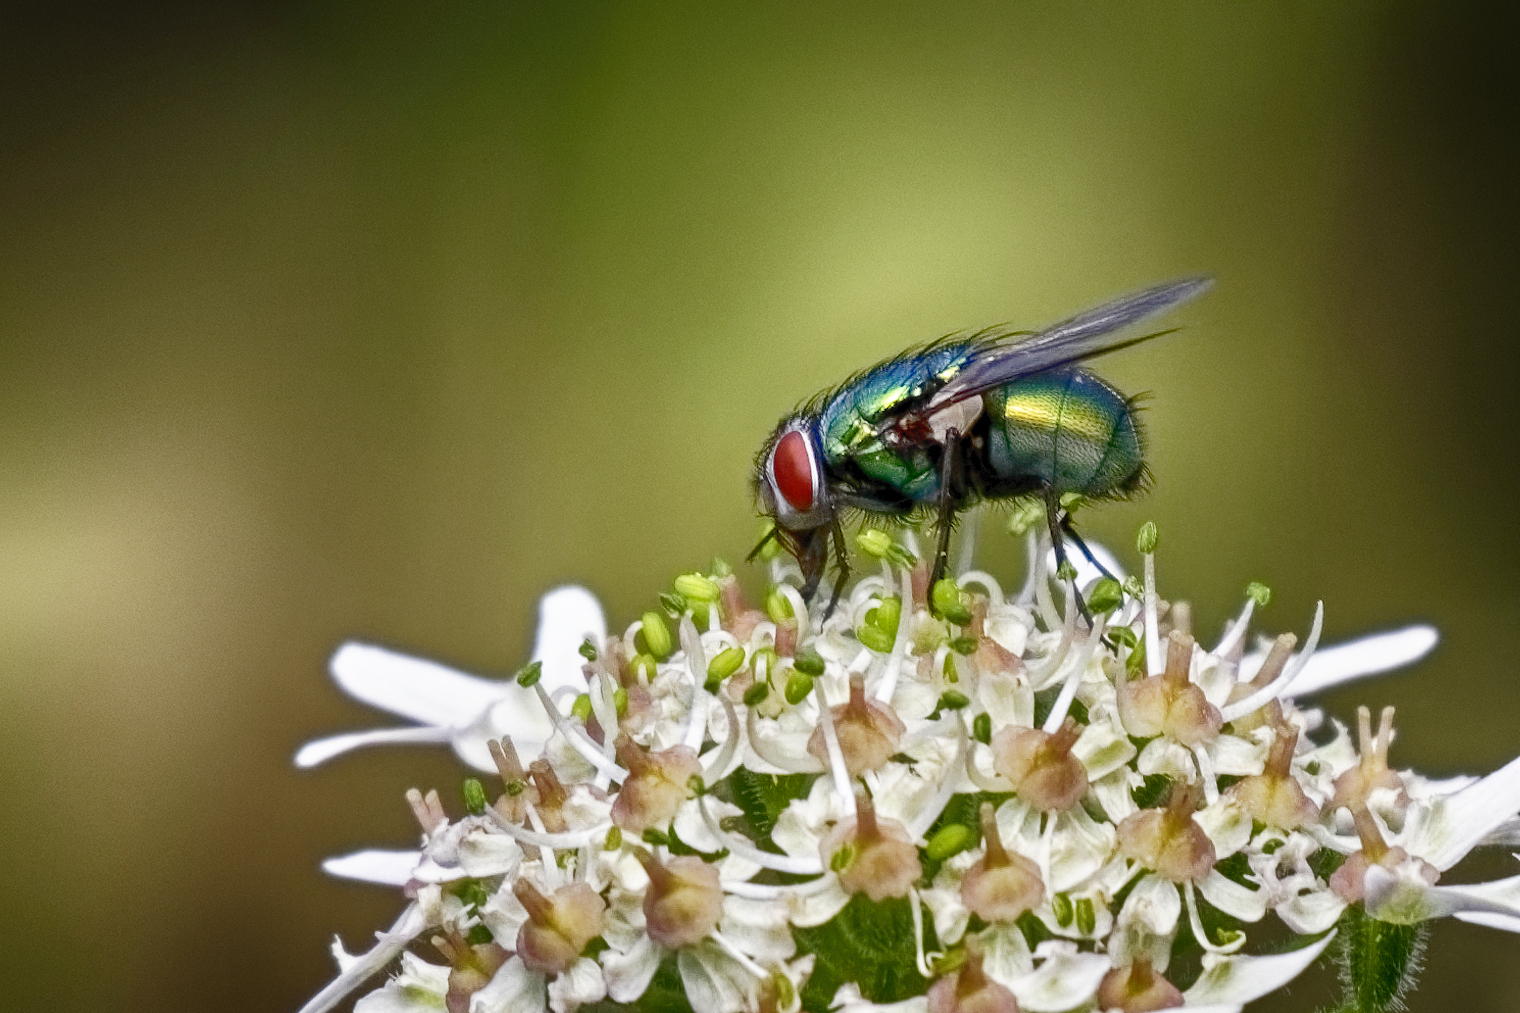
{"type": "Point", "coordinates": [792, 465]}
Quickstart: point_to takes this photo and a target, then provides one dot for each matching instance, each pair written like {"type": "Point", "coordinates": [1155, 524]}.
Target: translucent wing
{"type": "Point", "coordinates": [1083, 336]}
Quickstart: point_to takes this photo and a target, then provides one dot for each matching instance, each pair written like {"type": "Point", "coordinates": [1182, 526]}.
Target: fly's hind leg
{"type": "Point", "coordinates": [1071, 532]}
{"type": "Point", "coordinates": [1061, 525]}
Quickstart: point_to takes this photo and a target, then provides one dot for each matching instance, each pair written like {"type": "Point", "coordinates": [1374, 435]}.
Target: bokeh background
{"type": "Point", "coordinates": [377, 320]}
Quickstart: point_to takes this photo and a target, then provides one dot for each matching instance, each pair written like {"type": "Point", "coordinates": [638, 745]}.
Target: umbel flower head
{"type": "Point", "coordinates": [939, 798]}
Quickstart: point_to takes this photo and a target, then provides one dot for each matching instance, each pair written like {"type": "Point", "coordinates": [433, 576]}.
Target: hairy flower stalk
{"type": "Point", "coordinates": [939, 798]}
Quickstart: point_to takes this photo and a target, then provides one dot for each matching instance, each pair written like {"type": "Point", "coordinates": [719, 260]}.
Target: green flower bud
{"type": "Point", "coordinates": [1105, 596]}
{"type": "Point", "coordinates": [886, 616]}
{"type": "Point", "coordinates": [777, 605]}
{"type": "Point", "coordinates": [721, 568]}
{"type": "Point", "coordinates": [1066, 571]}
{"type": "Point", "coordinates": [951, 700]}
{"type": "Point", "coordinates": [657, 635]}
{"type": "Point", "coordinates": [695, 587]}
{"type": "Point", "coordinates": [725, 664]}
{"type": "Point", "coordinates": [798, 687]}
{"type": "Point", "coordinates": [1026, 514]}
{"type": "Point", "coordinates": [1063, 910]}
{"type": "Point", "coordinates": [809, 662]}
{"type": "Point", "coordinates": [620, 701]}
{"type": "Point", "coordinates": [950, 839]}
{"type": "Point", "coordinates": [872, 637]}
{"type": "Point", "coordinates": [474, 796]}
{"type": "Point", "coordinates": [756, 694]}
{"type": "Point", "coordinates": [644, 667]}
{"type": "Point", "coordinates": [1134, 587]}
{"type": "Point", "coordinates": [1147, 539]}
{"type": "Point", "coordinates": [1087, 917]}
{"type": "Point", "coordinates": [582, 707]}
{"type": "Point", "coordinates": [951, 675]}
{"type": "Point", "coordinates": [981, 729]}
{"type": "Point", "coordinates": [949, 601]}
{"type": "Point", "coordinates": [614, 839]}
{"type": "Point", "coordinates": [587, 649]}
{"type": "Point", "coordinates": [874, 542]}
{"type": "Point", "coordinates": [963, 645]}
{"type": "Point", "coordinates": [530, 673]}
{"type": "Point", "coordinates": [673, 602]}
{"type": "Point", "coordinates": [1260, 593]}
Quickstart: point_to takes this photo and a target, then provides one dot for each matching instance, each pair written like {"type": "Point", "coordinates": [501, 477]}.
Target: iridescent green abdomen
{"type": "Point", "coordinates": [1066, 429]}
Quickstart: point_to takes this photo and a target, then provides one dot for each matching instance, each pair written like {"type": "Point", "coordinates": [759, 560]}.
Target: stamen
{"type": "Point", "coordinates": [1154, 664]}
{"type": "Point", "coordinates": [717, 766]}
{"type": "Point", "coordinates": [918, 933]}
{"type": "Point", "coordinates": [578, 740]}
{"type": "Point", "coordinates": [739, 955]}
{"type": "Point", "coordinates": [762, 748]}
{"type": "Point", "coordinates": [1074, 678]}
{"type": "Point", "coordinates": [987, 581]}
{"type": "Point", "coordinates": [1235, 637]}
{"type": "Point", "coordinates": [1278, 687]}
{"type": "Point", "coordinates": [843, 790]}
{"type": "Point", "coordinates": [745, 849]}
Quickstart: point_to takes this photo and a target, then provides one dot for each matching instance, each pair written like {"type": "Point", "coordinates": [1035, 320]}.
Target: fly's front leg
{"type": "Point", "coordinates": [1059, 524]}
{"type": "Point", "coordinates": [949, 477]}
{"type": "Point", "coordinates": [1071, 532]}
{"type": "Point", "coordinates": [841, 561]}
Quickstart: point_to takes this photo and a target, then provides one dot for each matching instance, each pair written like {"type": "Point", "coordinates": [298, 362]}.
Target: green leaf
{"type": "Point", "coordinates": [867, 943]}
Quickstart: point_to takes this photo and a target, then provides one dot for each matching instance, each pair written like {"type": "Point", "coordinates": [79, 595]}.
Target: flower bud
{"type": "Point", "coordinates": [868, 731]}
{"type": "Point", "coordinates": [558, 927]}
{"type": "Point", "coordinates": [1170, 703]}
{"type": "Point", "coordinates": [871, 856]}
{"type": "Point", "coordinates": [1355, 786]}
{"type": "Point", "coordinates": [970, 989]}
{"type": "Point", "coordinates": [1041, 765]}
{"type": "Point", "coordinates": [658, 782]}
{"type": "Point", "coordinates": [1274, 797]}
{"type": "Point", "coordinates": [1137, 989]}
{"type": "Point", "coordinates": [684, 901]}
{"type": "Point", "coordinates": [657, 635]}
{"type": "Point", "coordinates": [1001, 885]}
{"type": "Point", "coordinates": [1168, 840]}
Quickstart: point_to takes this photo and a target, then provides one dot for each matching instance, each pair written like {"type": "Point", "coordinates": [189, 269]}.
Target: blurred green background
{"type": "Point", "coordinates": [335, 321]}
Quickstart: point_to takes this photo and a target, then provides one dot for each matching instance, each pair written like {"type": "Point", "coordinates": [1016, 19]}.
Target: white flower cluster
{"type": "Point", "coordinates": [759, 811]}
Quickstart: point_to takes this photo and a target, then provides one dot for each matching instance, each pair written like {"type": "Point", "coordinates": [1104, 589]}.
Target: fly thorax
{"type": "Point", "coordinates": [960, 417]}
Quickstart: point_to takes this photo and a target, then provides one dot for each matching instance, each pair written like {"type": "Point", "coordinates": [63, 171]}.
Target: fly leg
{"type": "Point", "coordinates": [1071, 532]}
{"type": "Point", "coordinates": [1060, 523]}
{"type": "Point", "coordinates": [842, 561]}
{"type": "Point", "coordinates": [949, 475]}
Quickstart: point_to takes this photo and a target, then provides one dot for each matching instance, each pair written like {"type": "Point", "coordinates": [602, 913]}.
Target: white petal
{"type": "Point", "coordinates": [1240, 979]}
{"type": "Point", "coordinates": [1455, 825]}
{"type": "Point", "coordinates": [713, 980]}
{"type": "Point", "coordinates": [1080, 847]}
{"type": "Point", "coordinates": [407, 927]}
{"type": "Point", "coordinates": [1007, 957]}
{"type": "Point", "coordinates": [759, 928]}
{"type": "Point", "coordinates": [388, 868]}
{"type": "Point", "coordinates": [1233, 899]}
{"type": "Point", "coordinates": [628, 974]}
{"type": "Point", "coordinates": [1311, 913]}
{"type": "Point", "coordinates": [1114, 795]}
{"type": "Point", "coordinates": [849, 1000]}
{"type": "Point", "coordinates": [1237, 756]}
{"type": "Point", "coordinates": [566, 617]}
{"type": "Point", "coordinates": [807, 910]}
{"type": "Point", "coordinates": [483, 854]}
{"type": "Point", "coordinates": [1405, 898]}
{"type": "Point", "coordinates": [513, 989]}
{"type": "Point", "coordinates": [1154, 903]}
{"type": "Point", "coordinates": [1332, 666]}
{"type": "Point", "coordinates": [1065, 980]}
{"type": "Point", "coordinates": [578, 986]}
{"type": "Point", "coordinates": [424, 691]}
{"type": "Point", "coordinates": [1227, 825]}
{"type": "Point", "coordinates": [1509, 923]}
{"type": "Point", "coordinates": [321, 750]}
{"type": "Point", "coordinates": [1102, 748]}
